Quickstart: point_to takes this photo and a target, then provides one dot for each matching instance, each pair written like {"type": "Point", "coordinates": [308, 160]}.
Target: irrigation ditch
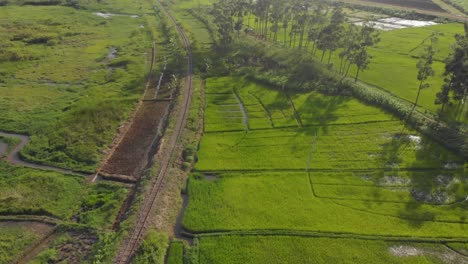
{"type": "Point", "coordinates": [14, 157]}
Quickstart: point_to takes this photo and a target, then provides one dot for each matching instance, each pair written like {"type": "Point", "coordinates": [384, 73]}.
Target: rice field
{"type": "Point", "coordinates": [315, 132]}
{"type": "Point", "coordinates": [286, 249]}
{"type": "Point", "coordinates": [292, 201]}
{"type": "Point", "coordinates": [397, 55]}
{"type": "Point", "coordinates": [314, 163]}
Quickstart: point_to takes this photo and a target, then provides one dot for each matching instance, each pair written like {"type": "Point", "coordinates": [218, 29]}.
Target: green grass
{"type": "Point", "coordinates": [284, 200]}
{"type": "Point", "coordinates": [394, 59]}
{"type": "Point", "coordinates": [29, 191]}
{"type": "Point", "coordinates": [285, 249]}
{"type": "Point", "coordinates": [396, 55]}
{"type": "Point", "coordinates": [101, 204]}
{"type": "Point", "coordinates": [461, 3]}
{"type": "Point", "coordinates": [360, 146]}
{"type": "Point", "coordinates": [337, 133]}
{"type": "Point", "coordinates": [460, 247]}
{"type": "Point", "coordinates": [358, 157]}
{"type": "Point", "coordinates": [317, 109]}
{"type": "Point", "coordinates": [393, 66]}
{"type": "Point", "coordinates": [59, 84]}
{"type": "Point", "coordinates": [153, 248]}
{"type": "Point", "coordinates": [13, 240]}
{"type": "Point", "coordinates": [11, 142]}
{"type": "Point", "coordinates": [176, 253]}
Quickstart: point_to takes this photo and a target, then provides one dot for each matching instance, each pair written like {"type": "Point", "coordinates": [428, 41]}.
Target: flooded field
{"type": "Point", "coordinates": [393, 23]}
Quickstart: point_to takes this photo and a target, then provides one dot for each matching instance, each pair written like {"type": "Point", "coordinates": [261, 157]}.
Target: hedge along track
{"type": "Point", "coordinates": [131, 244]}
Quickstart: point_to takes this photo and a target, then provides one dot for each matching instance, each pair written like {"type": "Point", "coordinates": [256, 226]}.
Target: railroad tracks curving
{"type": "Point", "coordinates": [131, 244]}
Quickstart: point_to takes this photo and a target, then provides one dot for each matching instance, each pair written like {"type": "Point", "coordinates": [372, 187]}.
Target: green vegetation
{"type": "Point", "coordinates": [47, 256]}
{"type": "Point", "coordinates": [153, 249]}
{"type": "Point", "coordinates": [29, 191]}
{"type": "Point", "coordinates": [68, 78]}
{"type": "Point", "coordinates": [335, 165]}
{"type": "Point", "coordinates": [284, 249]}
{"type": "Point", "coordinates": [100, 205]}
{"type": "Point", "coordinates": [251, 201]}
{"type": "Point", "coordinates": [13, 240]}
{"type": "Point", "coordinates": [176, 253]}
{"type": "Point", "coordinates": [460, 5]}
{"type": "Point", "coordinates": [397, 55]}
{"type": "Point", "coordinates": [337, 132]}
{"type": "Point", "coordinates": [460, 247]}
{"type": "Point", "coordinates": [11, 142]}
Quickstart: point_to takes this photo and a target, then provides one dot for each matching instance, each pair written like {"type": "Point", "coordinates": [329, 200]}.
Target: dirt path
{"type": "Point", "coordinates": [131, 244]}
{"type": "Point", "coordinates": [14, 158]}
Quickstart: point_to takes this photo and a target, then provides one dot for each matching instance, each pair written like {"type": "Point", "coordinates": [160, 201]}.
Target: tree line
{"type": "Point", "coordinates": [302, 24]}
{"type": "Point", "coordinates": [314, 26]}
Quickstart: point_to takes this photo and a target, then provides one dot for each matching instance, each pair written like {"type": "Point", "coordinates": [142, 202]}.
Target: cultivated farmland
{"type": "Point", "coordinates": [222, 131]}
{"type": "Point", "coordinates": [286, 249]}
{"type": "Point", "coordinates": [309, 163]}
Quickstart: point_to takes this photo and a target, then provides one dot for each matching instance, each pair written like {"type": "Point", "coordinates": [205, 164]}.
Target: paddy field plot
{"type": "Point", "coordinates": [393, 66]}
{"type": "Point", "coordinates": [338, 167]}
{"type": "Point", "coordinates": [287, 249]}
{"type": "Point", "coordinates": [292, 201]}
{"type": "Point", "coordinates": [318, 132]}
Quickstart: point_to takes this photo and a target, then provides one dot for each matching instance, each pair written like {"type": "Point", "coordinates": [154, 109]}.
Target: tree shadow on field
{"type": "Point", "coordinates": [434, 176]}
{"type": "Point", "coordinates": [321, 110]}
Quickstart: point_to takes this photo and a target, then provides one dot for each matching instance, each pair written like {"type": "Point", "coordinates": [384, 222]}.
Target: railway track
{"type": "Point", "coordinates": [131, 244]}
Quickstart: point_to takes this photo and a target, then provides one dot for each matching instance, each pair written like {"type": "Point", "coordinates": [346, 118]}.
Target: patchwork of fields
{"type": "Point", "coordinates": [271, 162]}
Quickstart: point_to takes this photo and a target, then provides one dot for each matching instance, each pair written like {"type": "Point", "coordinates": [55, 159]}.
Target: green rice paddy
{"type": "Point", "coordinates": [286, 249]}
{"type": "Point", "coordinates": [307, 163]}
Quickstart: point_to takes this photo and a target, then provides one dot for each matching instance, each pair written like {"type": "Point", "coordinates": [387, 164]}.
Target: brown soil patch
{"type": "Point", "coordinates": [77, 249]}
{"type": "Point", "coordinates": [164, 93]}
{"type": "Point", "coordinates": [134, 151]}
{"type": "Point", "coordinates": [427, 5]}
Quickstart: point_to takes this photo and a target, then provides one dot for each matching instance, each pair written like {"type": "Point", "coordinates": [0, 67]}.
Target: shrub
{"type": "Point", "coordinates": [153, 249]}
